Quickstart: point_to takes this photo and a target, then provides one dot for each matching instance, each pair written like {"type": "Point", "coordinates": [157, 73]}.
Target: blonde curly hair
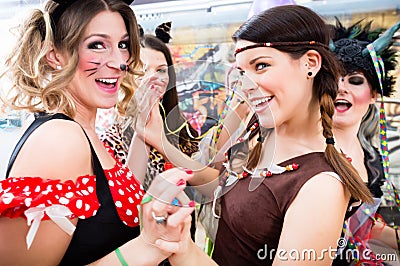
{"type": "Point", "coordinates": [38, 87]}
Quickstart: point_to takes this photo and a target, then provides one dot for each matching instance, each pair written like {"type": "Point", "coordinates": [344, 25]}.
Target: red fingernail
{"type": "Point", "coordinates": [152, 86]}
{"type": "Point", "coordinates": [180, 182]}
{"type": "Point", "coordinates": [189, 171]}
{"type": "Point", "coordinates": [192, 203]}
{"type": "Point", "coordinates": [168, 165]}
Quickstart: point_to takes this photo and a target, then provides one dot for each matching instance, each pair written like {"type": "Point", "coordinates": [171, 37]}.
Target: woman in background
{"type": "Point", "coordinates": [158, 71]}
{"type": "Point", "coordinates": [356, 120]}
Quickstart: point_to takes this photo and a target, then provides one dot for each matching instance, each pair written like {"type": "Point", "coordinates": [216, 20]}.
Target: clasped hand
{"type": "Point", "coordinates": [166, 212]}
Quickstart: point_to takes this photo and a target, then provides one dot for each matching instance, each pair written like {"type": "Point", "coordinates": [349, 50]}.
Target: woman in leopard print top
{"type": "Point", "coordinates": [157, 61]}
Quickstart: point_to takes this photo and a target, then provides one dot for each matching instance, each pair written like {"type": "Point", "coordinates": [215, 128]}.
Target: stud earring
{"type": "Point", "coordinates": [309, 73]}
{"type": "Point", "coordinates": [58, 67]}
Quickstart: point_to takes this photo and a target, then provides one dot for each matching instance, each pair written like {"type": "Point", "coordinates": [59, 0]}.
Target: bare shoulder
{"type": "Point", "coordinates": [325, 188]}
{"type": "Point", "coordinates": [315, 217]}
{"type": "Point", "coordinates": [58, 149]}
{"type": "Point", "coordinates": [325, 180]}
{"type": "Point", "coordinates": [323, 191]}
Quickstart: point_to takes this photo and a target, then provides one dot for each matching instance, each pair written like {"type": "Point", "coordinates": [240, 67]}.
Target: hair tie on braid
{"type": "Point", "coordinates": [260, 139]}
{"type": "Point", "coordinates": [330, 141]}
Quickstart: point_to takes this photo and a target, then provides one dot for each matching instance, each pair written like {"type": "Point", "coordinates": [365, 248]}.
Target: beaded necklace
{"type": "Point", "coordinates": [232, 176]}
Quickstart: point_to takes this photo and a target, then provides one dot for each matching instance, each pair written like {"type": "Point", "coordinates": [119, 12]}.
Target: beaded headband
{"type": "Point", "coordinates": [64, 5]}
{"type": "Point", "coordinates": [273, 44]}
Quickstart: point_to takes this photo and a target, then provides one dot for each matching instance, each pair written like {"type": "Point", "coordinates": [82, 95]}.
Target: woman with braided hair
{"type": "Point", "coordinates": [294, 189]}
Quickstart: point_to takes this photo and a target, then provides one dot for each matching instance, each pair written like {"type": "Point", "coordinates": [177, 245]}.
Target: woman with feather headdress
{"type": "Point", "coordinates": [357, 127]}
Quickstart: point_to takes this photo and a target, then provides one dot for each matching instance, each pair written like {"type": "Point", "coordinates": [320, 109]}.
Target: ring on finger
{"type": "Point", "coordinates": [159, 219]}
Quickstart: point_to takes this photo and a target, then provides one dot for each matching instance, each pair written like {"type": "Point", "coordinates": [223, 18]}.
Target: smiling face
{"type": "Point", "coordinates": [280, 92]}
{"type": "Point", "coordinates": [104, 46]}
{"type": "Point", "coordinates": [155, 66]}
{"type": "Point", "coordinates": [353, 99]}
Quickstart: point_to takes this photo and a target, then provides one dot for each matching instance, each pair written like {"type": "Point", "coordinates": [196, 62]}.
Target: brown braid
{"type": "Point", "coordinates": [255, 152]}
{"type": "Point", "coordinates": [254, 156]}
{"type": "Point", "coordinates": [350, 177]}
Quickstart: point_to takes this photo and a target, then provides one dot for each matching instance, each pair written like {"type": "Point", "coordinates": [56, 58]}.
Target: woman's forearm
{"type": "Point", "coordinates": [194, 256]}
{"type": "Point", "coordinates": [135, 252]}
{"type": "Point", "coordinates": [138, 156]}
{"type": "Point", "coordinates": [205, 178]}
{"type": "Point", "coordinates": [385, 234]}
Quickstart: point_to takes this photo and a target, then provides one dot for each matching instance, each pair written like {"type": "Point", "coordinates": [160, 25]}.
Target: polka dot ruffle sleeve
{"type": "Point", "coordinates": [19, 194]}
{"type": "Point", "coordinates": [126, 191]}
{"type": "Point", "coordinates": [37, 199]}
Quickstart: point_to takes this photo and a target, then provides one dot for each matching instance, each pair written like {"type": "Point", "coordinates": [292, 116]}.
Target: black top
{"type": "Point", "coordinates": [96, 236]}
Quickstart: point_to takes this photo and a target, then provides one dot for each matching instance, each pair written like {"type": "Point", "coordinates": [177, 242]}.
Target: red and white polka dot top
{"type": "Point", "coordinates": [19, 194]}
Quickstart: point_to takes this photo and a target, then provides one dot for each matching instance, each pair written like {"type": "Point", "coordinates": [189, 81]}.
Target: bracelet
{"type": "Point", "coordinates": [146, 199]}
{"type": "Point", "coordinates": [120, 257]}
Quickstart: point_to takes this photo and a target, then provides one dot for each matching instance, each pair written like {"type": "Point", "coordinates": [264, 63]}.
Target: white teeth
{"type": "Point", "coordinates": [341, 102]}
{"type": "Point", "coordinates": [110, 81]}
{"type": "Point", "coordinates": [260, 101]}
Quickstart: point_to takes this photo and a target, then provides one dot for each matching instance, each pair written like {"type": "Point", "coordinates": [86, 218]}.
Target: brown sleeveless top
{"type": "Point", "coordinates": [252, 220]}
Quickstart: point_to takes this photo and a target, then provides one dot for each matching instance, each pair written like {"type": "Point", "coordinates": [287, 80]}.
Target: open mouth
{"type": "Point", "coordinates": [107, 83]}
{"type": "Point", "coordinates": [261, 102]}
{"type": "Point", "coordinates": [342, 105]}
